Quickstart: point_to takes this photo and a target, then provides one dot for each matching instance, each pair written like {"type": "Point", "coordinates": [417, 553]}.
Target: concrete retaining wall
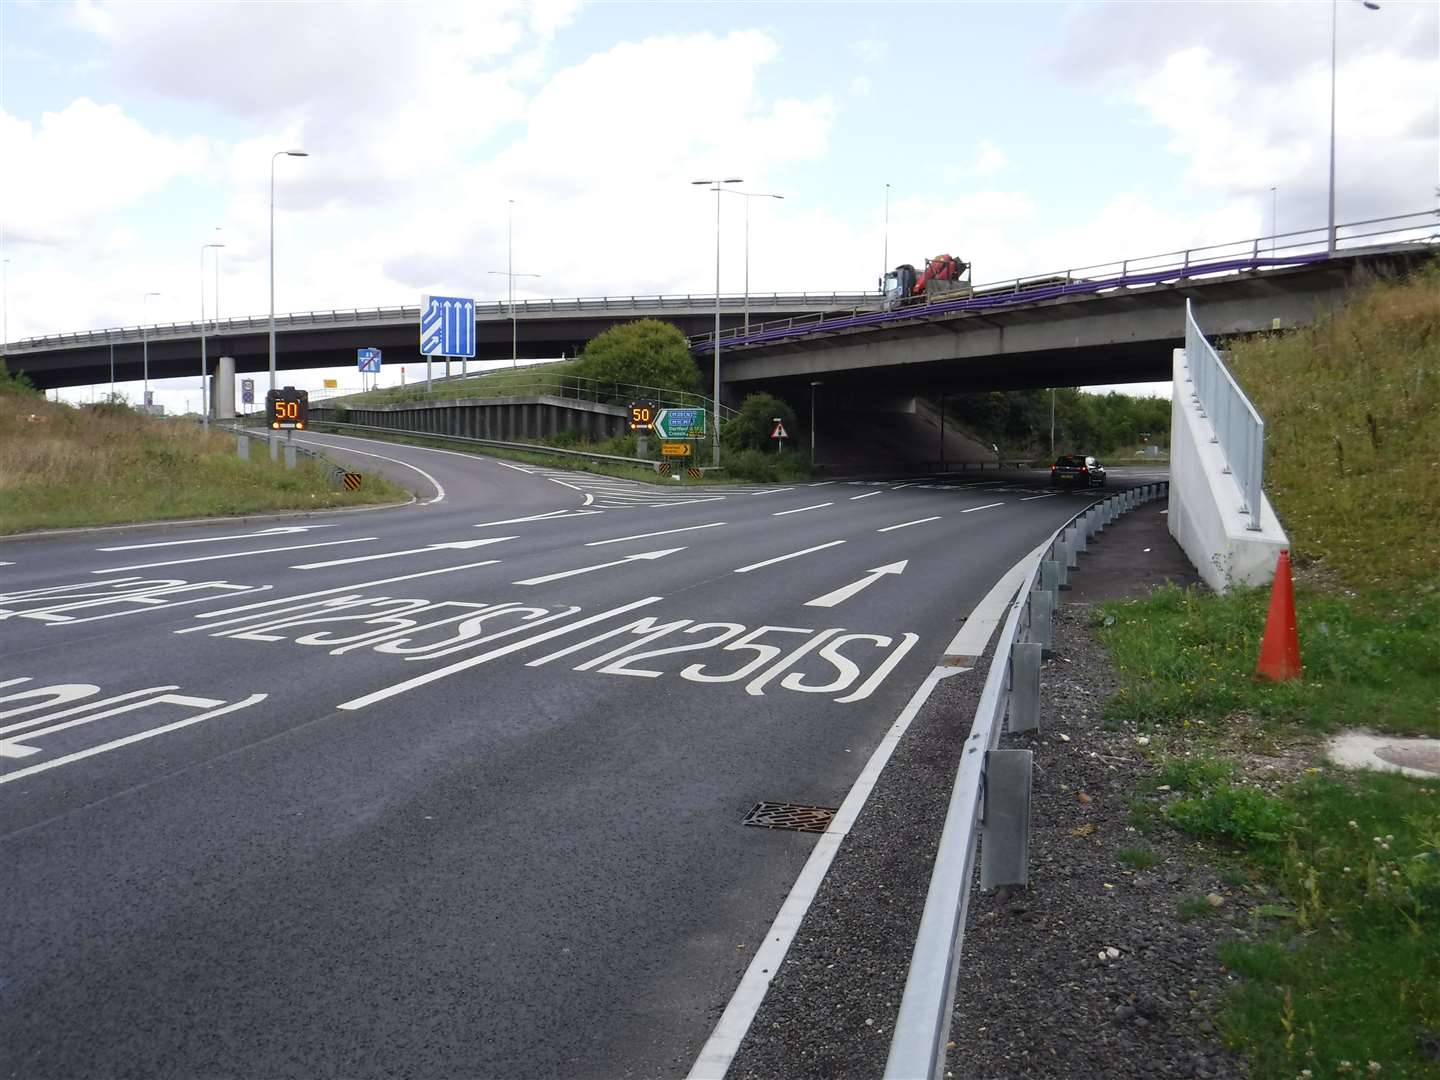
{"type": "Point", "coordinates": [1204, 515]}
{"type": "Point", "coordinates": [507, 419]}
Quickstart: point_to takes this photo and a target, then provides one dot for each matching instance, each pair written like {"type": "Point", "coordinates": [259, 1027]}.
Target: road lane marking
{"type": "Point", "coordinates": [281, 531]}
{"type": "Point", "coordinates": [907, 524]}
{"type": "Point", "coordinates": [454, 545]}
{"type": "Point", "coordinates": [1047, 495]}
{"type": "Point", "coordinates": [867, 495]}
{"type": "Point", "coordinates": [642, 556]}
{"type": "Point", "coordinates": [822, 483]}
{"type": "Point", "coordinates": [319, 592]}
{"type": "Point", "coordinates": [563, 484]}
{"type": "Point", "coordinates": [552, 515]}
{"type": "Point", "coordinates": [646, 536]}
{"type": "Point", "coordinates": [845, 592]}
{"type": "Point", "coordinates": [783, 558]}
{"type": "Point", "coordinates": [588, 500]}
{"type": "Point", "coordinates": [439, 491]}
{"type": "Point", "coordinates": [987, 506]}
{"type": "Point", "coordinates": [517, 468]}
{"type": "Point", "coordinates": [771, 491]}
{"type": "Point", "coordinates": [801, 509]}
{"type": "Point", "coordinates": [504, 650]}
{"type": "Point", "coordinates": [234, 555]}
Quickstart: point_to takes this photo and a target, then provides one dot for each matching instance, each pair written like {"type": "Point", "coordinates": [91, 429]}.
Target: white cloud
{"type": "Point", "coordinates": [860, 85]}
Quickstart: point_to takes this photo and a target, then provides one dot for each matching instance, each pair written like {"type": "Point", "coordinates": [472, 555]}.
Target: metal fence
{"type": "Point", "coordinates": [1253, 254]}
{"type": "Point", "coordinates": [989, 802]}
{"type": "Point", "coordinates": [1237, 427]}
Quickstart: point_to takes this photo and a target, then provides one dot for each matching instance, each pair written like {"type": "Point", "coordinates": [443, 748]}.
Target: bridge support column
{"type": "Point", "coordinates": [222, 389]}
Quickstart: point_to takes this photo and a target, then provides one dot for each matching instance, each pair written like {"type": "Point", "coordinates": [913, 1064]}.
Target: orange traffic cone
{"type": "Point", "coordinates": [1280, 648]}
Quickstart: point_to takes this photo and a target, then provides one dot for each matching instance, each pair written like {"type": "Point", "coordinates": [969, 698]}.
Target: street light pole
{"type": "Point", "coordinates": [145, 350]}
{"type": "Point", "coordinates": [814, 383]}
{"type": "Point", "coordinates": [514, 349]}
{"type": "Point", "coordinates": [885, 259]}
{"type": "Point", "coordinates": [1274, 221]}
{"type": "Point", "coordinates": [748, 195]}
{"type": "Point", "coordinates": [1370, 5]}
{"type": "Point", "coordinates": [204, 365]}
{"type": "Point", "coordinates": [5, 288]}
{"type": "Point", "coordinates": [715, 420]}
{"type": "Point", "coordinates": [277, 154]}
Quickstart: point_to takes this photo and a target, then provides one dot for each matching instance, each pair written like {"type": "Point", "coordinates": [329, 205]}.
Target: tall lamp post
{"type": "Point", "coordinates": [814, 383]}
{"type": "Point", "coordinates": [885, 258]}
{"type": "Point", "coordinates": [715, 420]}
{"type": "Point", "coordinates": [5, 291]}
{"type": "Point", "coordinates": [1334, 5]}
{"type": "Point", "coordinates": [145, 350]}
{"type": "Point", "coordinates": [277, 154]}
{"type": "Point", "coordinates": [204, 365]}
{"type": "Point", "coordinates": [748, 195]}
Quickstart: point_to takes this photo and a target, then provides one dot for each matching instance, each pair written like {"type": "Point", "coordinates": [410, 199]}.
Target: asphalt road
{"type": "Point", "coordinates": [453, 789]}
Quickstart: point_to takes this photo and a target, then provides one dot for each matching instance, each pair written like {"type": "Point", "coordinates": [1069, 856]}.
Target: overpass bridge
{"type": "Point", "coordinates": [1112, 323]}
{"type": "Point", "coordinates": [311, 339]}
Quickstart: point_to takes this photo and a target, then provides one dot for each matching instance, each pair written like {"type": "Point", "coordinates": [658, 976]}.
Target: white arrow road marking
{"type": "Point", "coordinates": [801, 509]}
{"type": "Point", "coordinates": [646, 536]}
{"type": "Point", "coordinates": [783, 558]}
{"type": "Point", "coordinates": [907, 524]}
{"type": "Point", "coordinates": [280, 531]}
{"type": "Point", "coordinates": [987, 506]}
{"type": "Point", "coordinates": [840, 595]}
{"type": "Point", "coordinates": [233, 555]}
{"type": "Point", "coordinates": [599, 566]}
{"type": "Point", "coordinates": [551, 516]}
{"type": "Point", "coordinates": [454, 545]}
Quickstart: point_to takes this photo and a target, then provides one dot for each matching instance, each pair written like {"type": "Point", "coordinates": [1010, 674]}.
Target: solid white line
{"type": "Point", "coordinates": [783, 558]}
{"type": "Point", "coordinates": [1047, 495]}
{"type": "Point", "coordinates": [233, 555]}
{"type": "Point", "coordinates": [562, 483]}
{"type": "Point", "coordinates": [720, 1049]}
{"type": "Point", "coordinates": [801, 509]}
{"type": "Point", "coordinates": [279, 531]}
{"type": "Point", "coordinates": [439, 491]}
{"type": "Point", "coordinates": [646, 536]}
{"type": "Point", "coordinates": [504, 650]}
{"type": "Point", "coordinates": [907, 524]}
{"type": "Point", "coordinates": [865, 496]}
{"type": "Point", "coordinates": [987, 506]}
{"type": "Point", "coordinates": [507, 465]}
{"type": "Point", "coordinates": [822, 483]}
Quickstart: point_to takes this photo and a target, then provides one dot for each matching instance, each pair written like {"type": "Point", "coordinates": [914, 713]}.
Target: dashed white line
{"type": "Point", "coordinates": [792, 555]}
{"type": "Point", "coordinates": [801, 509]}
{"type": "Point", "coordinates": [232, 555]}
{"type": "Point", "coordinates": [1047, 495]}
{"type": "Point", "coordinates": [517, 468]}
{"type": "Point", "coordinates": [822, 483]}
{"type": "Point", "coordinates": [907, 524]}
{"type": "Point", "coordinates": [865, 496]}
{"type": "Point", "coordinates": [662, 532]}
{"type": "Point", "coordinates": [987, 506]}
{"type": "Point", "coordinates": [772, 491]}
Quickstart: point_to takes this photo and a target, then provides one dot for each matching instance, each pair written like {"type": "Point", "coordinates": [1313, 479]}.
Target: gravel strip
{"type": "Point", "coordinates": [1035, 997]}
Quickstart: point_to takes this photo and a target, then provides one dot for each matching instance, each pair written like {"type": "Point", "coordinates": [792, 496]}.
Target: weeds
{"type": "Point", "coordinates": [1137, 858]}
{"type": "Point", "coordinates": [1233, 814]}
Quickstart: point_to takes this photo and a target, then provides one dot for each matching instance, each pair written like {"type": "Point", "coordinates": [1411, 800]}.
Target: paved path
{"type": "Point", "coordinates": [452, 789]}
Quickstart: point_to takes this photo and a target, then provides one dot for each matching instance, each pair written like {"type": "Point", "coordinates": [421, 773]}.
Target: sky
{"type": "Point", "coordinates": [1024, 137]}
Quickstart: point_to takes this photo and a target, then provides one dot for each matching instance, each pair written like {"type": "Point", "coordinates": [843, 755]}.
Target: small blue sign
{"type": "Point", "coordinates": [447, 326]}
{"type": "Point", "coordinates": [247, 391]}
{"type": "Point", "coordinates": [368, 360]}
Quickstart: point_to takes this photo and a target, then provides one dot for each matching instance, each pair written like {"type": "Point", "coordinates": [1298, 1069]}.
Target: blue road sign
{"type": "Point", "coordinates": [447, 326]}
{"type": "Point", "coordinates": [247, 391]}
{"type": "Point", "coordinates": [368, 360]}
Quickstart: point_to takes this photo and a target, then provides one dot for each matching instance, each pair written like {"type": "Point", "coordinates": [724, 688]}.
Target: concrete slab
{"type": "Point", "coordinates": [1387, 753]}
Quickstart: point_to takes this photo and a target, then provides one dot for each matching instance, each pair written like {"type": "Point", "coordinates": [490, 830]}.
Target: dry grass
{"type": "Point", "coordinates": [63, 466]}
{"type": "Point", "coordinates": [1352, 413]}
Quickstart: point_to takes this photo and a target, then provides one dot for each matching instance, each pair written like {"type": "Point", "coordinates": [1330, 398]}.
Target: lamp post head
{"type": "Point", "coordinates": [1371, 4]}
{"type": "Point", "coordinates": [297, 153]}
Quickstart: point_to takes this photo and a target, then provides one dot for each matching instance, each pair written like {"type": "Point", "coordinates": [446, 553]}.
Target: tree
{"type": "Point", "coordinates": [750, 428]}
{"type": "Point", "coordinates": [646, 352]}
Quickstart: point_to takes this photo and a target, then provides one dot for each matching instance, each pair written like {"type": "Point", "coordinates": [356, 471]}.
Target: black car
{"type": "Point", "coordinates": [1077, 469]}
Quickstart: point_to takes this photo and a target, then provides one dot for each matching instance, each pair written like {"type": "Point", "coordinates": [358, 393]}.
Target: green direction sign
{"type": "Point", "coordinates": [680, 423]}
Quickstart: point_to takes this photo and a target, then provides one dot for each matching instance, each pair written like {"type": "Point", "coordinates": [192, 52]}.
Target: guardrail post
{"type": "Point", "coordinates": [1005, 824]}
{"type": "Point", "coordinates": [1042, 606]}
{"type": "Point", "coordinates": [1025, 686]}
{"type": "Point", "coordinates": [242, 447]}
{"type": "Point", "coordinates": [1050, 577]}
{"type": "Point", "coordinates": [1070, 538]}
{"type": "Point", "coordinates": [274, 449]}
{"type": "Point", "coordinates": [1082, 534]}
{"type": "Point", "coordinates": [289, 455]}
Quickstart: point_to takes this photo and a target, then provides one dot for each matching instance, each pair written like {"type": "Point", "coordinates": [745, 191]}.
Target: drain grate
{"type": "Point", "coordinates": [784, 815]}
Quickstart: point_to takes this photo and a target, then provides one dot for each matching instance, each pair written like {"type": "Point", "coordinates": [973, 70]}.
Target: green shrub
{"type": "Point", "coordinates": [750, 427]}
{"type": "Point", "coordinates": [646, 352]}
{"type": "Point", "coordinates": [16, 384]}
{"type": "Point", "coordinates": [1236, 814]}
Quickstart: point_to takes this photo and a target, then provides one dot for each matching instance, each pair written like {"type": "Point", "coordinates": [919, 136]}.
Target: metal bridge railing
{"type": "Point", "coordinates": [990, 799]}
{"type": "Point", "coordinates": [499, 310]}
{"type": "Point", "coordinates": [1238, 428]}
{"type": "Point", "coordinates": [1214, 260]}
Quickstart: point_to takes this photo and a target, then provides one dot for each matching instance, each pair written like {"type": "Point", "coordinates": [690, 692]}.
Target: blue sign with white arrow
{"type": "Point", "coordinates": [368, 359]}
{"type": "Point", "coordinates": [447, 326]}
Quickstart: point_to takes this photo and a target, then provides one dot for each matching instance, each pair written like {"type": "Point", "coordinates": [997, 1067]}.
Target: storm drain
{"type": "Point", "coordinates": [784, 815]}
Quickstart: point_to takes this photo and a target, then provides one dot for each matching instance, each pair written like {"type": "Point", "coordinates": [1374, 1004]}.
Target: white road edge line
{"type": "Point", "coordinates": [801, 509]}
{"type": "Point", "coordinates": [783, 558]}
{"type": "Point", "coordinates": [987, 506]}
{"type": "Point", "coordinates": [720, 1049]}
{"type": "Point", "coordinates": [907, 524]}
{"type": "Point", "coordinates": [646, 536]}
{"type": "Point", "coordinates": [439, 491]}
{"type": "Point", "coordinates": [865, 496]}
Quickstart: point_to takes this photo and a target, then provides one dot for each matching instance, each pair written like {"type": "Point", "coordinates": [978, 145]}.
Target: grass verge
{"type": "Point", "coordinates": [1343, 976]}
{"type": "Point", "coordinates": [64, 467]}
